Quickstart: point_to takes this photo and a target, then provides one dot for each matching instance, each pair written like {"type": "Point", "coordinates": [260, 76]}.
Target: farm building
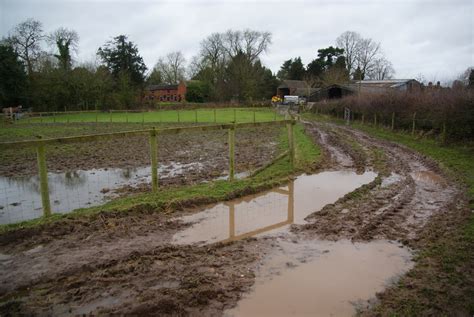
{"type": "Point", "coordinates": [365, 86]}
{"type": "Point", "coordinates": [165, 92]}
{"type": "Point", "coordinates": [295, 88]}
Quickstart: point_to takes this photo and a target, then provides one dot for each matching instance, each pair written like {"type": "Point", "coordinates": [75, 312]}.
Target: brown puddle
{"type": "Point", "coordinates": [322, 278]}
{"type": "Point", "coordinates": [428, 177]}
{"type": "Point", "coordinates": [266, 212]}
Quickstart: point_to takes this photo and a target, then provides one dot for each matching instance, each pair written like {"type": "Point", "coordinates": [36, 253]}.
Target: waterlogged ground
{"type": "Point", "coordinates": [88, 174]}
{"type": "Point", "coordinates": [338, 239]}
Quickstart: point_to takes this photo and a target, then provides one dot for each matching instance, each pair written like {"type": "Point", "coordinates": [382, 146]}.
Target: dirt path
{"type": "Point", "coordinates": [125, 263]}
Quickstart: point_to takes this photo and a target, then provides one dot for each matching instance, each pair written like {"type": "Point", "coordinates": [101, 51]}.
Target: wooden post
{"type": "Point", "coordinates": [393, 120]}
{"type": "Point", "coordinates": [413, 125]}
{"type": "Point", "coordinates": [154, 161]}
{"type": "Point", "coordinates": [291, 144]}
{"type": "Point", "coordinates": [291, 201]}
{"type": "Point", "coordinates": [443, 133]}
{"type": "Point", "coordinates": [195, 115]}
{"type": "Point", "coordinates": [43, 176]}
{"type": "Point", "coordinates": [215, 117]}
{"type": "Point", "coordinates": [231, 153]}
{"type": "Point", "coordinates": [231, 220]}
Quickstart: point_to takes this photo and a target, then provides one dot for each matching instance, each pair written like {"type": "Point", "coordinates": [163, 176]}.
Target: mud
{"type": "Point", "coordinates": [209, 148]}
{"type": "Point", "coordinates": [127, 263]}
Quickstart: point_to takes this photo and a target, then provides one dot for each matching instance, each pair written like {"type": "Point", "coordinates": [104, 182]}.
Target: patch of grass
{"type": "Point", "coordinates": [167, 199]}
{"type": "Point", "coordinates": [221, 115]}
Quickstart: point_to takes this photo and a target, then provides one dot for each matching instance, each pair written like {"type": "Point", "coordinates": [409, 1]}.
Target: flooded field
{"type": "Point", "coordinates": [272, 210]}
{"type": "Point", "coordinates": [20, 197]}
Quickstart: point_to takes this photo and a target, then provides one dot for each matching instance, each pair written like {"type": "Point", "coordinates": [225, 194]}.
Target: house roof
{"type": "Point", "coordinates": [162, 87]}
{"type": "Point", "coordinates": [293, 84]}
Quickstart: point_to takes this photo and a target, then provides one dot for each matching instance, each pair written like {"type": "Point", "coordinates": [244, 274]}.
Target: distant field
{"type": "Point", "coordinates": [175, 116]}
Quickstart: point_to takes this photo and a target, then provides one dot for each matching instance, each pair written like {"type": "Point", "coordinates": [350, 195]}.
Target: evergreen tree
{"type": "Point", "coordinates": [13, 80]}
{"type": "Point", "coordinates": [121, 58]}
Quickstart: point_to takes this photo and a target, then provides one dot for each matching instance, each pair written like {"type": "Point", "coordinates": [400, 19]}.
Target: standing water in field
{"type": "Point", "coordinates": [20, 197]}
{"type": "Point", "coordinates": [323, 278]}
{"type": "Point", "coordinates": [271, 210]}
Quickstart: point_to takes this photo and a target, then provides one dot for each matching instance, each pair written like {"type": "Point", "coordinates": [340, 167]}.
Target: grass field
{"type": "Point", "coordinates": [173, 116]}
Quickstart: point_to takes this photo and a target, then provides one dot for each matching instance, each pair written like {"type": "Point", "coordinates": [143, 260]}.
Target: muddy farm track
{"type": "Point", "coordinates": [126, 263]}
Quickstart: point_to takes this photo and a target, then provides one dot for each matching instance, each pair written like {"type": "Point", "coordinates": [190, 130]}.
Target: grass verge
{"type": "Point", "coordinates": [167, 199]}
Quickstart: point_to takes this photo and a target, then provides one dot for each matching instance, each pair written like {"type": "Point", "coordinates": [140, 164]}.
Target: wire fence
{"type": "Point", "coordinates": [414, 123]}
{"type": "Point", "coordinates": [216, 115]}
{"type": "Point", "coordinates": [45, 176]}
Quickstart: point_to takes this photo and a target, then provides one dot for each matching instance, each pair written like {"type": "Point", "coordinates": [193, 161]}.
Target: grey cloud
{"type": "Point", "coordinates": [434, 38]}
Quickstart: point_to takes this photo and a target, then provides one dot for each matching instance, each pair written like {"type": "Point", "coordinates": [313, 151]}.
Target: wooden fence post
{"type": "Point", "coordinates": [413, 125]}
{"type": "Point", "coordinates": [43, 176]}
{"type": "Point", "coordinates": [231, 153]}
{"type": "Point", "coordinates": [393, 120]}
{"type": "Point", "coordinates": [443, 133]}
{"type": "Point", "coordinates": [154, 160]}
{"type": "Point", "coordinates": [291, 144]}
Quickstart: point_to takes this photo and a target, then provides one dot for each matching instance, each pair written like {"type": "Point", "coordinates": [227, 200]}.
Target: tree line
{"type": "Point", "coordinates": [227, 67]}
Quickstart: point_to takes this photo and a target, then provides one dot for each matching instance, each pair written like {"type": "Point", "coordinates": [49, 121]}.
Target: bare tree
{"type": "Point", "coordinates": [172, 67]}
{"type": "Point", "coordinates": [349, 41]}
{"type": "Point", "coordinates": [251, 43]}
{"type": "Point", "coordinates": [367, 52]}
{"type": "Point", "coordinates": [26, 39]}
{"type": "Point", "coordinates": [212, 49]}
{"type": "Point", "coordinates": [66, 41]}
{"type": "Point", "coordinates": [381, 69]}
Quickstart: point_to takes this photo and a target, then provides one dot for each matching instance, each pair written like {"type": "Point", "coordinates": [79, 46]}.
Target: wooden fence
{"type": "Point", "coordinates": [99, 116]}
{"type": "Point", "coordinates": [153, 133]}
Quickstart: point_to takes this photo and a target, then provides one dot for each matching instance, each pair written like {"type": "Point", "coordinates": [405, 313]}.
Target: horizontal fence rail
{"type": "Point", "coordinates": [153, 134]}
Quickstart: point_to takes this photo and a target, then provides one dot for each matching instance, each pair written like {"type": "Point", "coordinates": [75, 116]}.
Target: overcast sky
{"type": "Point", "coordinates": [432, 38]}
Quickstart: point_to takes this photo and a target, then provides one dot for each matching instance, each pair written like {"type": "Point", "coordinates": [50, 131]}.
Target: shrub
{"type": "Point", "coordinates": [435, 109]}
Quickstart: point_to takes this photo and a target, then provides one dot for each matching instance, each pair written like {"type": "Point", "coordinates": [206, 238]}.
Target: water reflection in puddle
{"type": "Point", "coordinates": [20, 197]}
{"type": "Point", "coordinates": [275, 209]}
{"type": "Point", "coordinates": [321, 278]}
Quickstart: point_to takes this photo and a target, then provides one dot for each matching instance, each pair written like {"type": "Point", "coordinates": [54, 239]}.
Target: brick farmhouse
{"type": "Point", "coordinates": [166, 92]}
